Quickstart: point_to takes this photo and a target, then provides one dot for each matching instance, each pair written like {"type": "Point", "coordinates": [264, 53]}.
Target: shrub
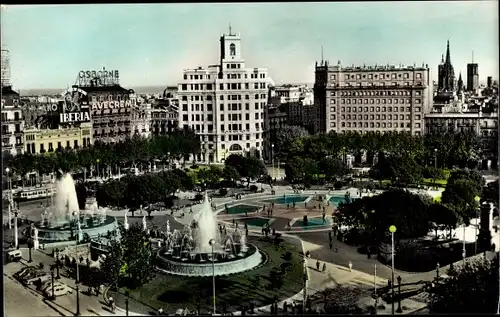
{"type": "Point", "coordinates": [198, 197]}
{"type": "Point", "coordinates": [337, 185]}
{"type": "Point", "coordinates": [254, 188]}
{"type": "Point", "coordinates": [287, 256]}
{"type": "Point", "coordinates": [194, 166]}
{"type": "Point", "coordinates": [223, 192]}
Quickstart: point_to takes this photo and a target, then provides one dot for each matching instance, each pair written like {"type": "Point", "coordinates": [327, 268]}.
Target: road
{"type": "Point", "coordinates": [17, 295]}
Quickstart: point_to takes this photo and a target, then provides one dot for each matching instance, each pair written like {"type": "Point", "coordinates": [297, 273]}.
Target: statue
{"type": "Point", "coordinates": [36, 243]}
{"type": "Point", "coordinates": [168, 227]}
{"type": "Point", "coordinates": [144, 224]}
{"type": "Point", "coordinates": [80, 232]}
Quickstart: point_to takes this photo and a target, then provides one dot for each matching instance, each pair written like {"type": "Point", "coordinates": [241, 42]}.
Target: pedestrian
{"type": "Point", "coordinates": [111, 302]}
{"type": "Point", "coordinates": [317, 265]}
{"type": "Point", "coordinates": [331, 245]}
{"type": "Point", "coordinates": [350, 266]}
{"type": "Point", "coordinates": [324, 267]}
{"type": "Point", "coordinates": [293, 308]}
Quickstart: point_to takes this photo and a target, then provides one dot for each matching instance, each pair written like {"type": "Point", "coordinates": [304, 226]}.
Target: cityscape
{"type": "Point", "coordinates": [250, 158]}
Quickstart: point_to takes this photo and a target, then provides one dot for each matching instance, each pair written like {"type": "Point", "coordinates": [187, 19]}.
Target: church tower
{"type": "Point", "coordinates": [460, 83]}
{"type": "Point", "coordinates": [230, 50]}
{"type": "Point", "coordinates": [447, 73]}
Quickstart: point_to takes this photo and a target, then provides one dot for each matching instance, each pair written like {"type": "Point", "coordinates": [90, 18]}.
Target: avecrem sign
{"type": "Point", "coordinates": [75, 107]}
{"type": "Point", "coordinates": [112, 102]}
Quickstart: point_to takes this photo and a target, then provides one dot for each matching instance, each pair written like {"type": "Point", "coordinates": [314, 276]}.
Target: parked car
{"type": "Point", "coordinates": [48, 285]}
{"type": "Point", "coordinates": [37, 277]}
{"type": "Point", "coordinates": [25, 271]}
{"type": "Point", "coordinates": [60, 289]}
{"type": "Point", "coordinates": [14, 255]}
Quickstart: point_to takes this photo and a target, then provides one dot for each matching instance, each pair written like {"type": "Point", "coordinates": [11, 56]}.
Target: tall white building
{"type": "Point", "coordinates": [12, 122]}
{"type": "Point", "coordinates": [5, 68]}
{"type": "Point", "coordinates": [225, 104]}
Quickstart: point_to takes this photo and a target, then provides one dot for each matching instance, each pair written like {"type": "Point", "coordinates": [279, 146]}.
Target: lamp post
{"type": "Point", "coordinates": [392, 229]}
{"type": "Point", "coordinates": [272, 158]}
{"type": "Point", "coordinates": [477, 225]}
{"type": "Point", "coordinates": [212, 243]}
{"type": "Point", "coordinates": [97, 161]}
{"type": "Point", "coordinates": [435, 158]}
{"type": "Point", "coordinates": [127, 294]}
{"type": "Point", "coordinates": [77, 282]}
{"type": "Point", "coordinates": [30, 245]}
{"type": "Point", "coordinates": [58, 263]}
{"type": "Point", "coordinates": [399, 310]}
{"type": "Point", "coordinates": [16, 238]}
{"type": "Point", "coordinates": [375, 289]}
{"type": "Point", "coordinates": [9, 187]}
{"type": "Point", "coordinates": [463, 249]}
{"type": "Point", "coordinates": [52, 275]}
{"type": "Point", "coordinates": [437, 271]}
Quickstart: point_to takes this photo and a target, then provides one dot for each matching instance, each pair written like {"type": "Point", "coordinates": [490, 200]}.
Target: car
{"type": "Point", "coordinates": [60, 289]}
{"type": "Point", "coordinates": [25, 271]}
{"type": "Point", "coordinates": [14, 255]}
{"type": "Point", "coordinates": [36, 277]}
{"type": "Point", "coordinates": [48, 285]}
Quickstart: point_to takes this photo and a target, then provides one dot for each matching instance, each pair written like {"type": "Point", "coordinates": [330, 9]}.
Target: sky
{"type": "Point", "coordinates": [150, 44]}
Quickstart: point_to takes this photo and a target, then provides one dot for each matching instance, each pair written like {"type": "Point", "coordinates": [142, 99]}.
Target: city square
{"type": "Point", "coordinates": [149, 185]}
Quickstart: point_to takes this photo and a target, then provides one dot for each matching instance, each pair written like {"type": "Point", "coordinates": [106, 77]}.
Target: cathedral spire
{"type": "Point", "coordinates": [448, 57]}
{"type": "Point", "coordinates": [442, 58]}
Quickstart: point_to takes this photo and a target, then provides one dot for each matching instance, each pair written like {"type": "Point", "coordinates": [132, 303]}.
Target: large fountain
{"type": "Point", "coordinates": [205, 248]}
{"type": "Point", "coordinates": [63, 222]}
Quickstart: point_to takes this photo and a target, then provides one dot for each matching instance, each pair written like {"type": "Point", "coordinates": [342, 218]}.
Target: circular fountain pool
{"type": "Point", "coordinates": [177, 262]}
{"type": "Point", "coordinates": [92, 227]}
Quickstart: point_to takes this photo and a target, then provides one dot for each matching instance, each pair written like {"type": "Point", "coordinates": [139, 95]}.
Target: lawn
{"type": "Point", "coordinates": [173, 292]}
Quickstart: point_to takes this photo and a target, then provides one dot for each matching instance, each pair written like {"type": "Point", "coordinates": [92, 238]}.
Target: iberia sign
{"type": "Point", "coordinates": [75, 107]}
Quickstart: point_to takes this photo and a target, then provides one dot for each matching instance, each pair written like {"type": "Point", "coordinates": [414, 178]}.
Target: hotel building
{"type": "Point", "coordinates": [225, 104]}
{"type": "Point", "coordinates": [371, 98]}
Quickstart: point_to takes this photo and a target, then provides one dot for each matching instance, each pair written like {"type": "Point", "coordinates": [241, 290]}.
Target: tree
{"type": "Point", "coordinates": [247, 167]}
{"type": "Point", "coordinates": [332, 168]}
{"type": "Point", "coordinates": [460, 194]}
{"type": "Point", "coordinates": [130, 260]}
{"type": "Point", "coordinates": [473, 289]}
{"type": "Point", "coordinates": [285, 137]}
{"type": "Point", "coordinates": [230, 175]}
{"type": "Point", "coordinates": [490, 193]}
{"type": "Point", "coordinates": [443, 216]}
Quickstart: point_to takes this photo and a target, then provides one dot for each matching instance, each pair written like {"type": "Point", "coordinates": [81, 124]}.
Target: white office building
{"type": "Point", "coordinates": [225, 104]}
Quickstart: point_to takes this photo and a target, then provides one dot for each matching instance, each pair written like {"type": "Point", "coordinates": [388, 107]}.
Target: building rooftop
{"type": "Point", "coordinates": [8, 91]}
{"type": "Point", "coordinates": [354, 68]}
{"type": "Point", "coordinates": [114, 88]}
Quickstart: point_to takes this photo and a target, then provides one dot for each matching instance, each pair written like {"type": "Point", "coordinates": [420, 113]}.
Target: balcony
{"type": "Point", "coordinates": [20, 145]}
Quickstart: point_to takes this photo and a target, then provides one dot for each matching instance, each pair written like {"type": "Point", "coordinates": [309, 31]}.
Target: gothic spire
{"type": "Point", "coordinates": [448, 57]}
{"type": "Point", "coordinates": [442, 58]}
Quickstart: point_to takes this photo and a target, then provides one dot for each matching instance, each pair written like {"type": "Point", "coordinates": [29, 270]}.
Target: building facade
{"type": "Point", "coordinates": [140, 118]}
{"type": "Point", "coordinates": [50, 140]}
{"type": "Point", "coordinates": [164, 116]}
{"type": "Point", "coordinates": [472, 77]}
{"type": "Point", "coordinates": [371, 99]}
{"type": "Point", "coordinates": [12, 122]}
{"type": "Point", "coordinates": [224, 104]}
{"type": "Point", "coordinates": [5, 68]}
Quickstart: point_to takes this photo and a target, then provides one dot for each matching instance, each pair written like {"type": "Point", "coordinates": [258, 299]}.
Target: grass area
{"type": "Point", "coordinates": [255, 222]}
{"type": "Point", "coordinates": [288, 199]}
{"type": "Point", "coordinates": [239, 209]}
{"type": "Point", "coordinates": [311, 223]}
{"type": "Point", "coordinates": [174, 292]}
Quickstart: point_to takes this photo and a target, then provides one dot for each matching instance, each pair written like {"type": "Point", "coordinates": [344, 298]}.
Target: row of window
{"type": "Point", "coordinates": [257, 144]}
{"type": "Point", "coordinates": [230, 106]}
{"type": "Point", "coordinates": [375, 101]}
{"type": "Point", "coordinates": [377, 109]}
{"type": "Point", "coordinates": [376, 76]}
{"type": "Point", "coordinates": [373, 117]}
{"type": "Point", "coordinates": [377, 125]}
{"type": "Point", "coordinates": [376, 93]}
{"type": "Point", "coordinates": [196, 77]}
{"type": "Point", "coordinates": [221, 97]}
{"type": "Point", "coordinates": [30, 148]}
{"type": "Point", "coordinates": [252, 76]}
{"type": "Point", "coordinates": [375, 84]}
{"type": "Point", "coordinates": [229, 86]}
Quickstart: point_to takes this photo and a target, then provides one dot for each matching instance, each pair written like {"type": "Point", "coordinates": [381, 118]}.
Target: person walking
{"type": "Point", "coordinates": [350, 266]}
{"type": "Point", "coordinates": [317, 265]}
{"type": "Point", "coordinates": [324, 268]}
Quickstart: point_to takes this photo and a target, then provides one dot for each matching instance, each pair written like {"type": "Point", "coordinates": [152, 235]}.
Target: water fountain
{"type": "Point", "coordinates": [188, 251]}
{"type": "Point", "coordinates": [63, 222]}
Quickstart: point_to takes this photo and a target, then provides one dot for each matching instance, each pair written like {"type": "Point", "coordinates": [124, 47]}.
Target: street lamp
{"type": "Point", "coordinates": [272, 158]}
{"type": "Point", "coordinates": [435, 158]}
{"type": "Point", "coordinates": [16, 238]}
{"type": "Point", "coordinates": [127, 294]}
{"type": "Point", "coordinates": [58, 263]}
{"type": "Point", "coordinates": [97, 161]}
{"type": "Point", "coordinates": [212, 243]}
{"type": "Point", "coordinates": [52, 275]}
{"type": "Point", "coordinates": [77, 266]}
{"type": "Point", "coordinates": [437, 270]}
{"type": "Point", "coordinates": [392, 229]}
{"type": "Point", "coordinates": [9, 187]}
{"type": "Point", "coordinates": [30, 244]}
{"type": "Point", "coordinates": [399, 310]}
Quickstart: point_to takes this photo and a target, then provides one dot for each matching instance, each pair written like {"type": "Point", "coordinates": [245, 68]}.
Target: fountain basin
{"type": "Point", "coordinates": [47, 235]}
{"type": "Point", "coordinates": [203, 267]}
